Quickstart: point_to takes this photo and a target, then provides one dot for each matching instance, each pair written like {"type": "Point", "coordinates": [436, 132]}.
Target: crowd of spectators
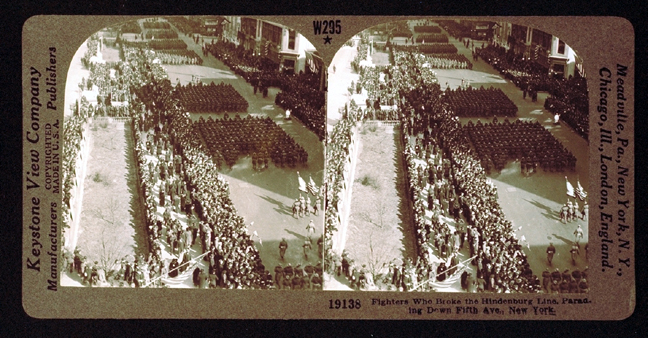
{"type": "Point", "coordinates": [338, 164]}
{"type": "Point", "coordinates": [569, 99]}
{"type": "Point", "coordinates": [300, 95]}
{"type": "Point", "coordinates": [363, 50]}
{"type": "Point", "coordinates": [211, 98]}
{"type": "Point", "coordinates": [523, 72]}
{"type": "Point", "coordinates": [482, 102]}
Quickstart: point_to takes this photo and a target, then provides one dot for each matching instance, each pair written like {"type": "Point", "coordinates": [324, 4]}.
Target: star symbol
{"type": "Point", "coordinates": [327, 39]}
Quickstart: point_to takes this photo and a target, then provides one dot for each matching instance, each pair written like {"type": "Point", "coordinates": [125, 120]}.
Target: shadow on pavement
{"type": "Point", "coordinates": [409, 249]}
{"type": "Point", "coordinates": [140, 237]}
{"type": "Point", "coordinates": [549, 213]}
{"type": "Point", "coordinates": [281, 208]}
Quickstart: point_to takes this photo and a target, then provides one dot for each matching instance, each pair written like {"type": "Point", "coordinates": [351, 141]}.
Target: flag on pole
{"type": "Point", "coordinates": [580, 192]}
{"type": "Point", "coordinates": [302, 184]}
{"type": "Point", "coordinates": [570, 189]}
{"type": "Point", "coordinates": [312, 187]}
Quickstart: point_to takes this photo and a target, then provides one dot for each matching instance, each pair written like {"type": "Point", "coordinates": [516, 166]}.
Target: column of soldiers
{"type": "Point", "coordinates": [228, 139]}
{"type": "Point", "coordinates": [529, 142]}
{"type": "Point", "coordinates": [211, 98]}
{"type": "Point", "coordinates": [179, 57]}
{"type": "Point", "coordinates": [555, 282]}
{"type": "Point", "coordinates": [480, 102]}
{"type": "Point", "coordinates": [302, 206]}
{"type": "Point", "coordinates": [448, 61]}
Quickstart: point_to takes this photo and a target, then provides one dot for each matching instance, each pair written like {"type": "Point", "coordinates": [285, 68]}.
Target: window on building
{"type": "Point", "coordinates": [561, 47]}
{"type": "Point", "coordinates": [518, 32]}
{"type": "Point", "coordinates": [291, 39]}
{"type": "Point", "coordinates": [559, 69]}
{"type": "Point", "coordinates": [272, 33]}
{"type": "Point", "coordinates": [288, 63]}
{"type": "Point", "coordinates": [542, 39]}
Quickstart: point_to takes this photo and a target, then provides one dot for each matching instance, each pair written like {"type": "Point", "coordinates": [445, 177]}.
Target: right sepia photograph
{"type": "Point", "coordinates": [456, 160]}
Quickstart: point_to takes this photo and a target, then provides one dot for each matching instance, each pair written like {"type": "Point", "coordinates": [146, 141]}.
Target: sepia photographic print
{"type": "Point", "coordinates": [328, 167]}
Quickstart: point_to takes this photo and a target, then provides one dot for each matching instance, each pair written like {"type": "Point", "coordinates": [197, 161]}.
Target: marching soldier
{"type": "Point", "coordinates": [295, 207]}
{"type": "Point", "coordinates": [551, 250]}
{"type": "Point", "coordinates": [584, 211]}
{"type": "Point", "coordinates": [283, 245]}
{"type": "Point", "coordinates": [310, 230]}
{"type": "Point", "coordinates": [578, 233]}
{"type": "Point", "coordinates": [307, 247]}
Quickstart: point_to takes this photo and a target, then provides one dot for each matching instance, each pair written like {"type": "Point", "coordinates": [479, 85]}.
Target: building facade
{"type": "Point", "coordinates": [279, 44]}
{"type": "Point", "coordinates": [545, 49]}
{"type": "Point", "coordinates": [231, 28]}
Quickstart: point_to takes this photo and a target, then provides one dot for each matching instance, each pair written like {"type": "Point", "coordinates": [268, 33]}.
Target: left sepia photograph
{"type": "Point", "coordinates": [193, 157]}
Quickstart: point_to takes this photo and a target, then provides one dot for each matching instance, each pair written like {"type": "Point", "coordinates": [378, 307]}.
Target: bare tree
{"type": "Point", "coordinates": [111, 249]}
{"type": "Point", "coordinates": [377, 259]}
{"type": "Point", "coordinates": [380, 210]}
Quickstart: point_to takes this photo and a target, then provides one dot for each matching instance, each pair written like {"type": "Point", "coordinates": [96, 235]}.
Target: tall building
{"type": "Point", "coordinates": [231, 28]}
{"type": "Point", "coordinates": [282, 46]}
{"type": "Point", "coordinates": [545, 49]}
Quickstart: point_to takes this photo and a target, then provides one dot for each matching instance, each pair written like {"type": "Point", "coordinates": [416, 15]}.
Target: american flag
{"type": "Point", "coordinates": [580, 192]}
{"type": "Point", "coordinates": [312, 187]}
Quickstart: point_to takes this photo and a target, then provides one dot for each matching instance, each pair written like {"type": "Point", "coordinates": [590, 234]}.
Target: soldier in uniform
{"type": "Point", "coordinates": [283, 245]}
{"type": "Point", "coordinates": [307, 247]}
{"type": "Point", "coordinates": [551, 250]}
{"type": "Point", "coordinates": [295, 207]}
{"type": "Point", "coordinates": [546, 280]}
{"type": "Point", "coordinates": [310, 231]}
{"type": "Point", "coordinates": [578, 233]}
{"type": "Point", "coordinates": [575, 251]}
{"type": "Point", "coordinates": [564, 213]}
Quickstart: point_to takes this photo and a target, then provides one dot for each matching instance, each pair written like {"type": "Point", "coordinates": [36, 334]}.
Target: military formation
{"type": "Point", "coordinates": [482, 102]}
{"type": "Point", "coordinates": [497, 143]}
{"type": "Point", "coordinates": [211, 98]}
{"type": "Point", "coordinates": [228, 139]}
